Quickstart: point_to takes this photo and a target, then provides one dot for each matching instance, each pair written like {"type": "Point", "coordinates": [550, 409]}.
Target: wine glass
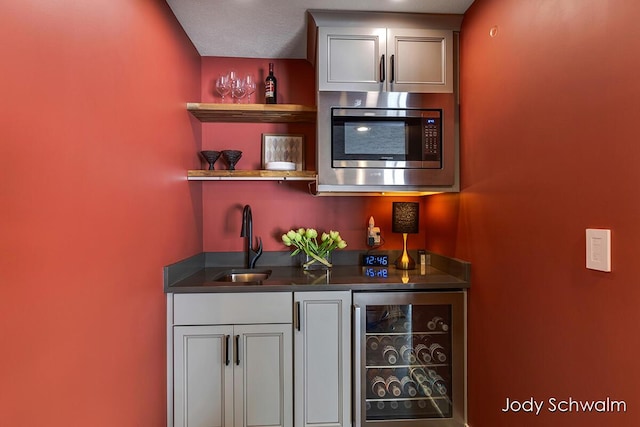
{"type": "Point", "coordinates": [250, 86]}
{"type": "Point", "coordinates": [223, 85]}
{"type": "Point", "coordinates": [238, 90]}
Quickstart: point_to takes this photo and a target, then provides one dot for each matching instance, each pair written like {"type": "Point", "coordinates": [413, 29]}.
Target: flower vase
{"type": "Point", "coordinates": [310, 262]}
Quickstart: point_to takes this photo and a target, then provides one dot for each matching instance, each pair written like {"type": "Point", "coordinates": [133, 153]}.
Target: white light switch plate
{"type": "Point", "coordinates": [599, 249]}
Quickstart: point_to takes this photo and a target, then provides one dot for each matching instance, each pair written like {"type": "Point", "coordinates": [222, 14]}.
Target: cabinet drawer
{"type": "Point", "coordinates": [219, 309]}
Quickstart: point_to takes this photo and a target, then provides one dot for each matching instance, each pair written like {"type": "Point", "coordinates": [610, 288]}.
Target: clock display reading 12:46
{"type": "Point", "coordinates": [375, 260]}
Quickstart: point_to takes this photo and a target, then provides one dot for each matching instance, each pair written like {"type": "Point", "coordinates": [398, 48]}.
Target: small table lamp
{"type": "Point", "coordinates": [405, 220]}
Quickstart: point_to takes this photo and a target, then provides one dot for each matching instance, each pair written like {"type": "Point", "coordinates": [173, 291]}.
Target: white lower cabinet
{"type": "Point", "coordinates": [322, 362]}
{"type": "Point", "coordinates": [231, 375]}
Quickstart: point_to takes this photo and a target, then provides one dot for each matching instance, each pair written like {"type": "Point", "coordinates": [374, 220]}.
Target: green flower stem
{"type": "Point", "coordinates": [316, 258]}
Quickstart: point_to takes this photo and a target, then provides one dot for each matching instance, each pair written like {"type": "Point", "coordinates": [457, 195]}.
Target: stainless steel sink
{"type": "Point", "coordinates": [245, 275]}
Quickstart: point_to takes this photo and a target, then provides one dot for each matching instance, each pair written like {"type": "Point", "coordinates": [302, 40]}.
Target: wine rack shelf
{"type": "Point", "coordinates": [252, 113]}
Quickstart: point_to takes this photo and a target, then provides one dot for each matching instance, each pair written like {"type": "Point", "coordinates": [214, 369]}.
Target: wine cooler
{"type": "Point", "coordinates": [409, 359]}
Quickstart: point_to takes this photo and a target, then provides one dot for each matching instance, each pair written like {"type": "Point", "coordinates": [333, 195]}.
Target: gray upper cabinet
{"type": "Point", "coordinates": [385, 59]}
{"type": "Point", "coordinates": [383, 51]}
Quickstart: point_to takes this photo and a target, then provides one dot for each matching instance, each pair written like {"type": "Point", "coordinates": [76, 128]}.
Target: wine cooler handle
{"type": "Point", "coordinates": [357, 366]}
{"type": "Point", "coordinates": [237, 349]}
{"type": "Point", "coordinates": [226, 349]}
{"type": "Point", "coordinates": [382, 69]}
{"type": "Point", "coordinates": [391, 69]}
{"type": "Point", "coordinates": [296, 319]}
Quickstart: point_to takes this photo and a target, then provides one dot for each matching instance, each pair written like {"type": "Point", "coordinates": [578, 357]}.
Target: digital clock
{"type": "Point", "coordinates": [376, 272]}
{"type": "Point", "coordinates": [375, 260]}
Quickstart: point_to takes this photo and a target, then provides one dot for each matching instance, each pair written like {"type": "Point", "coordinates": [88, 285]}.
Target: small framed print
{"type": "Point", "coordinates": [283, 148]}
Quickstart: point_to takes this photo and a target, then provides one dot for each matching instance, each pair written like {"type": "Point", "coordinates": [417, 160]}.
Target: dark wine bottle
{"type": "Point", "coordinates": [373, 342]}
{"type": "Point", "coordinates": [394, 387]}
{"type": "Point", "coordinates": [271, 87]}
{"type": "Point", "coordinates": [437, 323]}
{"type": "Point", "coordinates": [390, 354]}
{"type": "Point", "coordinates": [408, 386]}
{"type": "Point", "coordinates": [437, 353]}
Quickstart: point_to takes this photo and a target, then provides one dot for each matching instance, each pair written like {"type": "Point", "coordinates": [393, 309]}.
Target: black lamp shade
{"type": "Point", "coordinates": [406, 217]}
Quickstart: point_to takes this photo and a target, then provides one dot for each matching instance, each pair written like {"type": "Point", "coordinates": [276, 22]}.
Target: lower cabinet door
{"type": "Point", "coordinates": [263, 375]}
{"type": "Point", "coordinates": [322, 357]}
{"type": "Point", "coordinates": [203, 380]}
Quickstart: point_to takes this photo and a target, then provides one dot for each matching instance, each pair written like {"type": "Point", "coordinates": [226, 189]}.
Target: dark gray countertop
{"type": "Point", "coordinates": [196, 275]}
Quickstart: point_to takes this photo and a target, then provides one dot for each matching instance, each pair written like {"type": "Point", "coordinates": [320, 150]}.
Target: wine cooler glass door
{"type": "Point", "coordinates": [412, 358]}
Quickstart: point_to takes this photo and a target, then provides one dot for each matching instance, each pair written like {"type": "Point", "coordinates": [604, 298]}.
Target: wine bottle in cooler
{"type": "Point", "coordinates": [384, 341]}
{"type": "Point", "coordinates": [400, 340]}
{"type": "Point", "coordinates": [439, 385]}
{"type": "Point", "coordinates": [408, 354]}
{"type": "Point", "coordinates": [421, 380]}
{"type": "Point", "coordinates": [271, 87]}
{"type": "Point", "coordinates": [437, 353]}
{"type": "Point", "coordinates": [422, 353]}
{"type": "Point", "coordinates": [394, 388]}
{"type": "Point", "coordinates": [409, 387]}
{"type": "Point", "coordinates": [390, 354]}
{"type": "Point", "coordinates": [437, 324]}
{"type": "Point", "coordinates": [378, 384]}
{"type": "Point", "coordinates": [393, 404]}
{"type": "Point", "coordinates": [373, 341]}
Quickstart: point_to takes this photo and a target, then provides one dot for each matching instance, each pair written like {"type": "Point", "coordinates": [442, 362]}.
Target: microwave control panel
{"type": "Point", "coordinates": [432, 140]}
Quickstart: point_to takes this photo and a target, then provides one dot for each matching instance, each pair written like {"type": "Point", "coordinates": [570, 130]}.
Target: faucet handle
{"type": "Point", "coordinates": [254, 254]}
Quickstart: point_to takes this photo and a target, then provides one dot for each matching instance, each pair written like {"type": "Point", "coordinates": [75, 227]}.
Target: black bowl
{"type": "Point", "coordinates": [231, 157]}
{"type": "Point", "coordinates": [210, 156]}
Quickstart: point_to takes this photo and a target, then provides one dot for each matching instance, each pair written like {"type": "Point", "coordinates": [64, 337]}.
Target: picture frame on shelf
{"type": "Point", "coordinates": [283, 148]}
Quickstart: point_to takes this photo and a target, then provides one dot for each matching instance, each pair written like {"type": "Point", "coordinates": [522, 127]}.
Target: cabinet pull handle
{"type": "Point", "coordinates": [382, 69]}
{"type": "Point", "coordinates": [226, 350]}
{"type": "Point", "coordinates": [358, 403]}
{"type": "Point", "coordinates": [296, 318]}
{"type": "Point", "coordinates": [392, 68]}
{"type": "Point", "coordinates": [237, 349]}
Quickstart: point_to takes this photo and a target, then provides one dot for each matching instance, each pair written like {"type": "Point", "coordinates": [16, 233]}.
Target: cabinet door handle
{"type": "Point", "coordinates": [237, 349]}
{"type": "Point", "coordinates": [358, 403]}
{"type": "Point", "coordinates": [392, 68]}
{"type": "Point", "coordinates": [382, 69]}
{"type": "Point", "coordinates": [297, 316]}
{"type": "Point", "coordinates": [226, 350]}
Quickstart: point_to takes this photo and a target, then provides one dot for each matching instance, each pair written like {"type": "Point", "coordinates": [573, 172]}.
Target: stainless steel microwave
{"type": "Point", "coordinates": [395, 138]}
{"type": "Point", "coordinates": [386, 142]}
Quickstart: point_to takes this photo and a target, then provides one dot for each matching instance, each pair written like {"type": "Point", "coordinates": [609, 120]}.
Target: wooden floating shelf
{"type": "Point", "coordinates": [250, 175]}
{"type": "Point", "coordinates": [253, 113]}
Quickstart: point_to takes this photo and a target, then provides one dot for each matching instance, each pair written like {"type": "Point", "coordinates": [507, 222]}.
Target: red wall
{"type": "Point", "coordinates": [278, 207]}
{"type": "Point", "coordinates": [549, 148]}
{"type": "Point", "coordinates": [95, 144]}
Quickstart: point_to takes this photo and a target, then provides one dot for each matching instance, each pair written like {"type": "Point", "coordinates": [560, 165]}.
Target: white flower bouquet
{"type": "Point", "coordinates": [306, 241]}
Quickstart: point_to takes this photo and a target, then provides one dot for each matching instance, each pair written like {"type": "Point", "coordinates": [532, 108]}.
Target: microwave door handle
{"type": "Point", "coordinates": [382, 69]}
{"type": "Point", "coordinates": [392, 68]}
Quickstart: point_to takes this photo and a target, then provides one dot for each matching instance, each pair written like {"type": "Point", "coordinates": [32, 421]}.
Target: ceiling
{"type": "Point", "coordinates": [276, 28]}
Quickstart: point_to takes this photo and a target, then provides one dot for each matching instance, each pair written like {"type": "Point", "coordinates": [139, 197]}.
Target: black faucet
{"type": "Point", "coordinates": [247, 231]}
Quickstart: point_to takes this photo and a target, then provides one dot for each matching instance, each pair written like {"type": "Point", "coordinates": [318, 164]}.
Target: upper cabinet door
{"type": "Point", "coordinates": [351, 59]}
{"type": "Point", "coordinates": [381, 59]}
{"type": "Point", "coordinates": [420, 60]}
